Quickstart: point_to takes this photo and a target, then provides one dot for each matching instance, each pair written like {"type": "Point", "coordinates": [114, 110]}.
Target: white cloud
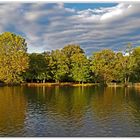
{"type": "Point", "coordinates": [111, 14]}
{"type": "Point", "coordinates": [51, 26]}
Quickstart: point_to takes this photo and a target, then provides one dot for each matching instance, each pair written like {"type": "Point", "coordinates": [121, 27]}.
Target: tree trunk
{"type": "Point", "coordinates": [125, 80]}
{"type": "Point", "coordinates": [104, 83]}
{"type": "Point", "coordinates": [57, 81]}
{"type": "Point", "coordinates": [128, 80]}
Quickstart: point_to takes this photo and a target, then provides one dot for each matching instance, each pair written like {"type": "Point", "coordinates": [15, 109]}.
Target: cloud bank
{"type": "Point", "coordinates": [47, 26]}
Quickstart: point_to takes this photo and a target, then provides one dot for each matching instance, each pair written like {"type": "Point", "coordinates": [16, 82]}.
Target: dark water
{"type": "Point", "coordinates": [69, 111]}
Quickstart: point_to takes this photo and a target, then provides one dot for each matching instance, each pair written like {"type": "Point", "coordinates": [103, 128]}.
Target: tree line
{"type": "Point", "coordinates": [69, 64]}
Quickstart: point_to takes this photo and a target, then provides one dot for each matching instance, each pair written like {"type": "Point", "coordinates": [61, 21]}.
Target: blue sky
{"type": "Point", "coordinates": [94, 26]}
{"type": "Point", "coordinates": [83, 6]}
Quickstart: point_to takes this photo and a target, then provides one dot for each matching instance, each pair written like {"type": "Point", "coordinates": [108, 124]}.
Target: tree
{"type": "Point", "coordinates": [80, 68]}
{"type": "Point", "coordinates": [38, 67]}
{"type": "Point", "coordinates": [125, 64]}
{"type": "Point", "coordinates": [13, 58]}
{"type": "Point", "coordinates": [58, 65]}
{"type": "Point", "coordinates": [102, 65]}
{"type": "Point", "coordinates": [136, 57]}
{"type": "Point", "coordinates": [69, 51]}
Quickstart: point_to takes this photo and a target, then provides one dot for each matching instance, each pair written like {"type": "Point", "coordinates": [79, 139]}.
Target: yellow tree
{"type": "Point", "coordinates": [13, 57]}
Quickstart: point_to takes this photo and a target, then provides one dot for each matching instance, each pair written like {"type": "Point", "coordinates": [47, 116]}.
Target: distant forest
{"type": "Point", "coordinates": [69, 64]}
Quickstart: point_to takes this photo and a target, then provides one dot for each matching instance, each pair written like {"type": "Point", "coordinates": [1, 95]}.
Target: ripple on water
{"type": "Point", "coordinates": [69, 112]}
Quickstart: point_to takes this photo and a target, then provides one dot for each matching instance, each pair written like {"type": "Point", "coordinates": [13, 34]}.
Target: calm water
{"type": "Point", "coordinates": [69, 111]}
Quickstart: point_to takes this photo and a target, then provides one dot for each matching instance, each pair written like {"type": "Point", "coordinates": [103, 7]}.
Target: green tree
{"type": "Point", "coordinates": [69, 51]}
{"type": "Point", "coordinates": [136, 68]}
{"type": "Point", "coordinates": [102, 65]}
{"type": "Point", "coordinates": [124, 65]}
{"type": "Point", "coordinates": [38, 67]}
{"type": "Point", "coordinates": [58, 65]}
{"type": "Point", "coordinates": [80, 68]}
{"type": "Point", "coordinates": [13, 58]}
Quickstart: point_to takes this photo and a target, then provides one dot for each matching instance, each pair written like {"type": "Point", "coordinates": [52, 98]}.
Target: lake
{"type": "Point", "coordinates": [69, 111]}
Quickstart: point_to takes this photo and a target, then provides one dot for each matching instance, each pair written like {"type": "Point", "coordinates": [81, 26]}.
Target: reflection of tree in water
{"type": "Point", "coordinates": [106, 100]}
{"type": "Point", "coordinates": [132, 96]}
{"type": "Point", "coordinates": [66, 103]}
{"type": "Point", "coordinates": [113, 105]}
{"type": "Point", "coordinates": [70, 106]}
{"type": "Point", "coordinates": [12, 110]}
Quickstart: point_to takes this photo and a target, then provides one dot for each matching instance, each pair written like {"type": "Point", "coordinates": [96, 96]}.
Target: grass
{"type": "Point", "coordinates": [123, 84]}
{"type": "Point", "coordinates": [61, 84]}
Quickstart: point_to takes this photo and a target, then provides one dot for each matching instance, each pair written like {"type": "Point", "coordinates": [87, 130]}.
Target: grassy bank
{"type": "Point", "coordinates": [61, 84]}
{"type": "Point", "coordinates": [74, 84]}
{"type": "Point", "coordinates": [123, 85]}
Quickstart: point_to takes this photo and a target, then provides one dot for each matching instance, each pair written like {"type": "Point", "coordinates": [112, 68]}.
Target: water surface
{"type": "Point", "coordinates": [69, 111]}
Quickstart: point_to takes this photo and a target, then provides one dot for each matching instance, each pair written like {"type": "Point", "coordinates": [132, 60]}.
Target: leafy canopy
{"type": "Point", "coordinates": [13, 57]}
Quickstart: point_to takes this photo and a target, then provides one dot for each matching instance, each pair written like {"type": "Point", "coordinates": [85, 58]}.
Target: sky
{"type": "Point", "coordinates": [94, 26]}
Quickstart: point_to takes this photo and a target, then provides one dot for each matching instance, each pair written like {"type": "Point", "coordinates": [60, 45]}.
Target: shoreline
{"type": "Point", "coordinates": [134, 85]}
{"type": "Point", "coordinates": [61, 84]}
{"type": "Point", "coordinates": [48, 84]}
